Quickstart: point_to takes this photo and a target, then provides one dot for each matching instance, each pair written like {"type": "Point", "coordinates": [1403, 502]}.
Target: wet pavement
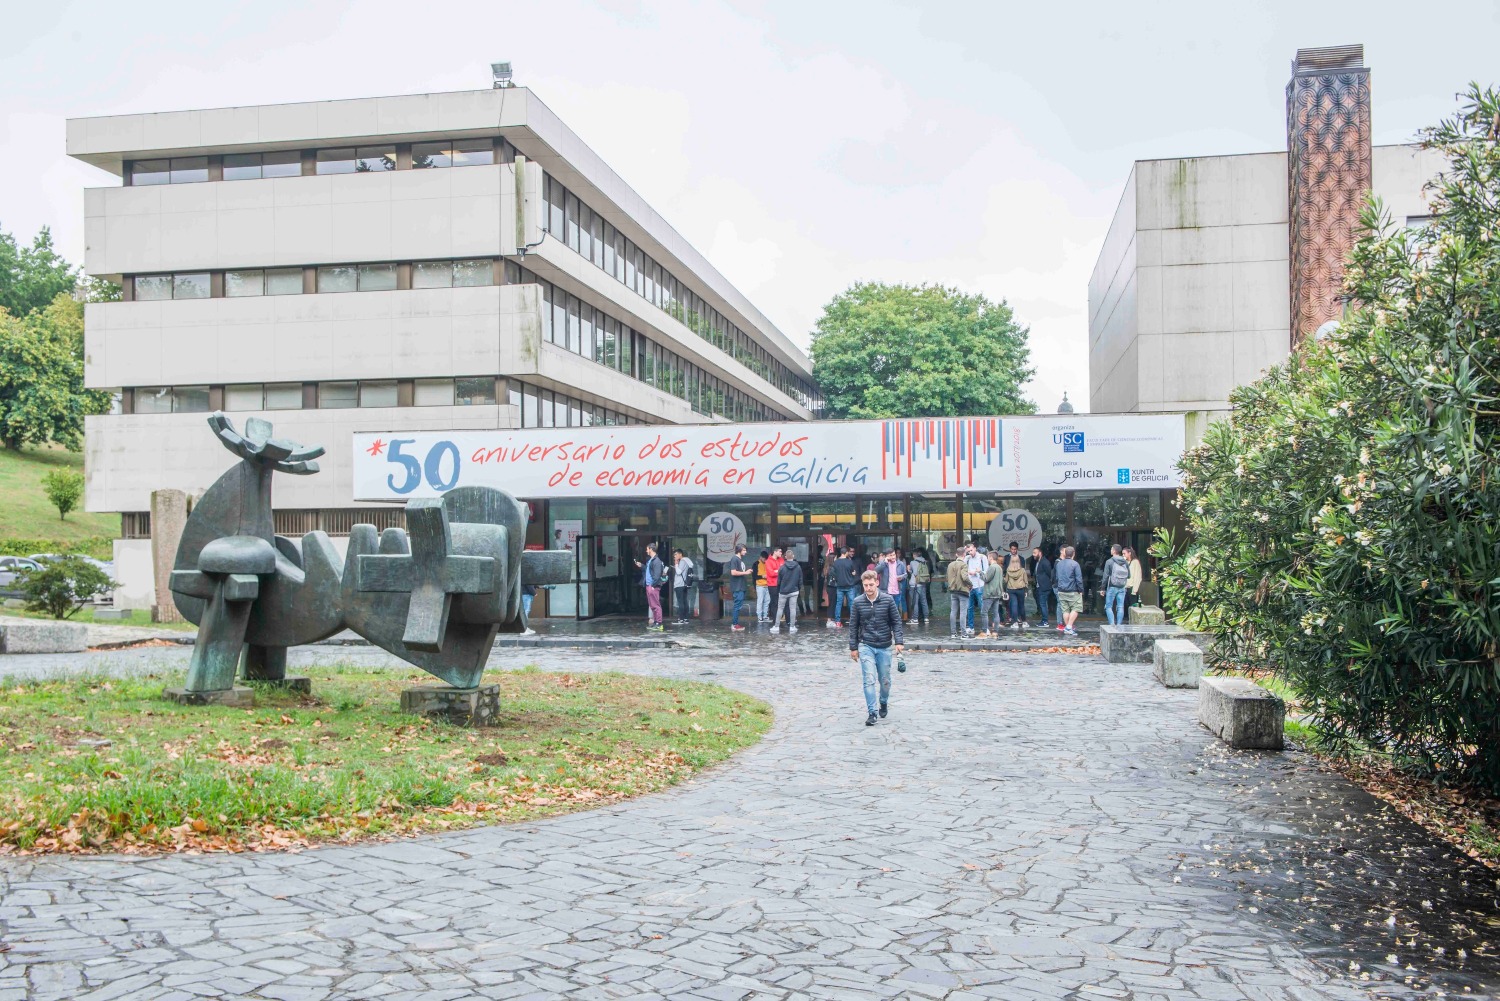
{"type": "Point", "coordinates": [1024, 825]}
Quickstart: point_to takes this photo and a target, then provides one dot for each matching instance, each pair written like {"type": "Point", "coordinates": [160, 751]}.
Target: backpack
{"type": "Point", "coordinates": [1119, 572]}
{"type": "Point", "coordinates": [691, 576]}
{"type": "Point", "coordinates": [921, 571]}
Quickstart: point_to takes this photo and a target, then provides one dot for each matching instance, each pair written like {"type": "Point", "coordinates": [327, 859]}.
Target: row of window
{"type": "Point", "coordinates": [344, 160]}
{"type": "Point", "coordinates": [333, 278]}
{"type": "Point", "coordinates": [544, 408]}
{"type": "Point", "coordinates": [572, 221]}
{"type": "Point", "coordinates": [574, 325]}
{"type": "Point", "coordinates": [567, 321]}
{"type": "Point", "coordinates": [539, 407]}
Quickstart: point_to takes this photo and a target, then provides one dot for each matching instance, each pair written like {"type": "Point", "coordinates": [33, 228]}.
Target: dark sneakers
{"type": "Point", "coordinates": [870, 721]}
{"type": "Point", "coordinates": [882, 710]}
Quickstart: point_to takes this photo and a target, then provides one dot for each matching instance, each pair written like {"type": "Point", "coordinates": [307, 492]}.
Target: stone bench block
{"type": "Point", "coordinates": [111, 614]}
{"type": "Point", "coordinates": [43, 636]}
{"type": "Point", "coordinates": [1177, 663]}
{"type": "Point", "coordinates": [1145, 615]}
{"type": "Point", "coordinates": [1133, 644]}
{"type": "Point", "coordinates": [1241, 713]}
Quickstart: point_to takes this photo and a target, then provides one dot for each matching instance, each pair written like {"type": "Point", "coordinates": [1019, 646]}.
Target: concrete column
{"type": "Point", "coordinates": [169, 512]}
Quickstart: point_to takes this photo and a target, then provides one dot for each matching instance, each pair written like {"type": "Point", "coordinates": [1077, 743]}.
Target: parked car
{"type": "Point", "coordinates": [107, 566]}
{"type": "Point", "coordinates": [11, 568]}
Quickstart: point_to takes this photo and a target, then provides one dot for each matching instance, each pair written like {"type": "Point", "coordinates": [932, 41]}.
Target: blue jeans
{"type": "Point", "coordinates": [1017, 603]}
{"type": "Point", "coordinates": [900, 602]}
{"type": "Point", "coordinates": [526, 600]}
{"type": "Point", "coordinates": [842, 595]}
{"type": "Point", "coordinates": [976, 599]}
{"type": "Point", "coordinates": [739, 603]}
{"type": "Point", "coordinates": [921, 605]}
{"type": "Point", "coordinates": [1046, 600]}
{"type": "Point", "coordinates": [1114, 605]}
{"type": "Point", "coordinates": [875, 667]}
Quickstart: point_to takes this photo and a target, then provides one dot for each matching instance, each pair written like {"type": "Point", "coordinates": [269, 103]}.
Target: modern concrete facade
{"type": "Point", "coordinates": [442, 261]}
{"type": "Point", "coordinates": [1191, 294]}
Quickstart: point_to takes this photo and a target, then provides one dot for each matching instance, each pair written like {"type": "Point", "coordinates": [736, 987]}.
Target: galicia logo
{"type": "Point", "coordinates": [1071, 441]}
{"type": "Point", "coordinates": [1122, 476]}
{"type": "Point", "coordinates": [1080, 474]}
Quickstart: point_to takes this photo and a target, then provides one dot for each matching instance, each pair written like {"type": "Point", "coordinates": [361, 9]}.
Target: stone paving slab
{"type": "Point", "coordinates": [1022, 826]}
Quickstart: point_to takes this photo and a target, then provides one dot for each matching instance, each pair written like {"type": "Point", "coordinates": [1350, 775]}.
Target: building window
{"type": "Point", "coordinates": [284, 281]}
{"type": "Point", "coordinates": [378, 394]}
{"type": "Point", "coordinates": [357, 278]}
{"type": "Point", "coordinates": [377, 277]}
{"type": "Point", "coordinates": [248, 166]}
{"type": "Point", "coordinates": [283, 396]}
{"type": "Point", "coordinates": [178, 170]}
{"type": "Point", "coordinates": [149, 288]}
{"type": "Point", "coordinates": [171, 400]}
{"type": "Point", "coordinates": [446, 274]}
{"type": "Point", "coordinates": [432, 393]}
{"type": "Point", "coordinates": [365, 159]}
{"type": "Point", "coordinates": [338, 395]}
{"type": "Point", "coordinates": [458, 153]}
{"type": "Point", "coordinates": [474, 391]}
{"type": "Point", "coordinates": [191, 285]}
{"type": "Point", "coordinates": [249, 397]}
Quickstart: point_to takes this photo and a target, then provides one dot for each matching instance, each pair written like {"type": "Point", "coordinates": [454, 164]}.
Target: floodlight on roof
{"type": "Point", "coordinates": [501, 73]}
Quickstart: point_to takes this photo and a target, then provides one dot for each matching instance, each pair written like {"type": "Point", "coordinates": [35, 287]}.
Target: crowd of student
{"type": "Point", "coordinates": [987, 591]}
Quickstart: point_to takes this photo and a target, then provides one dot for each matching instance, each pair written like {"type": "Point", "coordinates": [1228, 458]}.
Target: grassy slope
{"type": "Point", "coordinates": [28, 514]}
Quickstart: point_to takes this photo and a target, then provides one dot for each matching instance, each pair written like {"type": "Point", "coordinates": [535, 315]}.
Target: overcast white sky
{"type": "Point", "coordinates": [802, 146]}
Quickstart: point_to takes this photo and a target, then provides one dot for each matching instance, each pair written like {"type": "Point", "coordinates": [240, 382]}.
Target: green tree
{"type": "Point", "coordinates": [31, 277]}
{"type": "Point", "coordinates": [1346, 520]}
{"type": "Point", "coordinates": [919, 351]}
{"type": "Point", "coordinates": [64, 488]}
{"type": "Point", "coordinates": [42, 397]}
{"type": "Point", "coordinates": [62, 586]}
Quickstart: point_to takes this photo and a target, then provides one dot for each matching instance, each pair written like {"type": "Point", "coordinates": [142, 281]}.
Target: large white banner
{"type": "Point", "coordinates": [1055, 452]}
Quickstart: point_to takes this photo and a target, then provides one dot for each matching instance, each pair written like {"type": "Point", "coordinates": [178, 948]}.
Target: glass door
{"type": "Point", "coordinates": [583, 576]}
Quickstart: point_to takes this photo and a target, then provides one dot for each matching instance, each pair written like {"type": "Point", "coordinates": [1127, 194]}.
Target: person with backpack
{"type": "Point", "coordinates": [1041, 578]}
{"type": "Point", "coordinates": [919, 572]}
{"type": "Point", "coordinates": [958, 597]}
{"type": "Point", "coordinates": [874, 634]}
{"type": "Point", "coordinates": [684, 576]}
{"type": "Point", "coordinates": [739, 575]}
{"type": "Point", "coordinates": [1116, 575]}
{"type": "Point", "coordinates": [653, 576]}
{"type": "Point", "coordinates": [788, 594]}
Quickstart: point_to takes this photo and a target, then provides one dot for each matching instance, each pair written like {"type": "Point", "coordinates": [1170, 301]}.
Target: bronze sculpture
{"type": "Point", "coordinates": [436, 597]}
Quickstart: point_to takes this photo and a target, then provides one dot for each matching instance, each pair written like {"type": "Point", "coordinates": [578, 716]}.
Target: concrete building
{"type": "Point", "coordinates": [1215, 267]}
{"type": "Point", "coordinates": [428, 262]}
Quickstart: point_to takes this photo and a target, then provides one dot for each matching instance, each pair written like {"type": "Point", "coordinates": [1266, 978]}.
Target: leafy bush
{"type": "Point", "coordinates": [61, 587]}
{"type": "Point", "coordinates": [1345, 521]}
{"type": "Point", "coordinates": [64, 487]}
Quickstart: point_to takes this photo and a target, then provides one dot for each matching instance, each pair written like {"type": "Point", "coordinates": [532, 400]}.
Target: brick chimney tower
{"type": "Point", "coordinates": [1328, 175]}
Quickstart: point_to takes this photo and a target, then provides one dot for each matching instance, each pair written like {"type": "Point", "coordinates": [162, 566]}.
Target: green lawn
{"type": "Point", "coordinates": [108, 764]}
{"type": "Point", "coordinates": [140, 617]}
{"type": "Point", "coordinates": [28, 514]}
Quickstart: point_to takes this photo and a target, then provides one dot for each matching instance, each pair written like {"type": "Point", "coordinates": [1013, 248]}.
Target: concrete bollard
{"type": "Point", "coordinates": [1241, 713]}
{"type": "Point", "coordinates": [1177, 663]}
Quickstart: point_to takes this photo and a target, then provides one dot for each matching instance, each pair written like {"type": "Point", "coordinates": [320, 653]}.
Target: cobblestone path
{"type": "Point", "coordinates": [1022, 827]}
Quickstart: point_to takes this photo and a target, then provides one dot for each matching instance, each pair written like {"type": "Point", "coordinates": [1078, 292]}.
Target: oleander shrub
{"type": "Point", "coordinates": [1344, 523]}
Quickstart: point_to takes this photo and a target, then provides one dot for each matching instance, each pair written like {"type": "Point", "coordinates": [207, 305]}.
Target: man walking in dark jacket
{"type": "Point", "coordinates": [874, 632]}
{"type": "Point", "coordinates": [788, 592]}
{"type": "Point", "coordinates": [1041, 577]}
